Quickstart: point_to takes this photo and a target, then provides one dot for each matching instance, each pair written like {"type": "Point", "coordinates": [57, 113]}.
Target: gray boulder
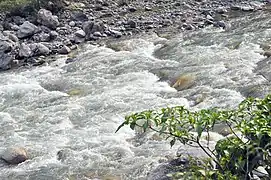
{"type": "Point", "coordinates": [47, 19]}
{"type": "Point", "coordinates": [14, 155]}
{"type": "Point", "coordinates": [39, 49]}
{"type": "Point", "coordinates": [42, 49]}
{"type": "Point", "coordinates": [27, 29]}
{"type": "Point", "coordinates": [90, 27]}
{"type": "Point", "coordinates": [5, 46]}
{"type": "Point", "coordinates": [25, 51]}
{"type": "Point", "coordinates": [5, 61]}
{"type": "Point", "coordinates": [11, 36]}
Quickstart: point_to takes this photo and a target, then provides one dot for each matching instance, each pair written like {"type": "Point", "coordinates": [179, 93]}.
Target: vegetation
{"type": "Point", "coordinates": [10, 4]}
{"type": "Point", "coordinates": [237, 156]}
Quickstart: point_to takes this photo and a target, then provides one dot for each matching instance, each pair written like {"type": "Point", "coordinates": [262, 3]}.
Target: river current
{"type": "Point", "coordinates": [76, 108]}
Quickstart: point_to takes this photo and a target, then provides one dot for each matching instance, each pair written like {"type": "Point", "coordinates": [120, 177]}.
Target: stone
{"type": "Point", "coordinates": [47, 19]}
{"type": "Point", "coordinates": [64, 50]}
{"type": "Point", "coordinates": [53, 35]}
{"type": "Point", "coordinates": [72, 23]}
{"type": "Point", "coordinates": [25, 51]}
{"type": "Point", "coordinates": [14, 155]}
{"type": "Point", "coordinates": [132, 9]}
{"type": "Point", "coordinates": [5, 46]}
{"type": "Point", "coordinates": [27, 29]}
{"type": "Point", "coordinates": [98, 34]}
{"type": "Point", "coordinates": [80, 33]}
{"type": "Point", "coordinates": [5, 61]}
{"type": "Point", "coordinates": [90, 27]}
{"type": "Point", "coordinates": [183, 82]}
{"type": "Point", "coordinates": [116, 34]}
{"type": "Point", "coordinates": [132, 24]}
{"type": "Point", "coordinates": [41, 49]}
{"type": "Point", "coordinates": [44, 37]}
{"type": "Point", "coordinates": [79, 16]}
{"type": "Point", "coordinates": [267, 53]}
{"type": "Point", "coordinates": [13, 37]}
{"type": "Point", "coordinates": [222, 24]}
{"type": "Point", "coordinates": [15, 27]}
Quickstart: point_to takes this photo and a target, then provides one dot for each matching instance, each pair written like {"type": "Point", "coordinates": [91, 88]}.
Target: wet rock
{"type": "Point", "coordinates": [25, 51]}
{"type": "Point", "coordinates": [70, 60]}
{"type": "Point", "coordinates": [163, 170]}
{"type": "Point", "coordinates": [263, 68]}
{"type": "Point", "coordinates": [183, 82]}
{"type": "Point", "coordinates": [27, 29]}
{"type": "Point", "coordinates": [47, 19]}
{"type": "Point", "coordinates": [14, 155]}
{"type": "Point", "coordinates": [222, 24]}
{"type": "Point", "coordinates": [267, 53]}
{"type": "Point", "coordinates": [265, 46]}
{"type": "Point", "coordinates": [5, 61]}
{"type": "Point", "coordinates": [64, 50]}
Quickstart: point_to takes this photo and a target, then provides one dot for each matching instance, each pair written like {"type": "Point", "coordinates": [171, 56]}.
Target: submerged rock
{"type": "Point", "coordinates": [14, 155]}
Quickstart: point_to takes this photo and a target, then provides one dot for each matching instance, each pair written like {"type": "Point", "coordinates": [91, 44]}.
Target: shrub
{"type": "Point", "coordinates": [235, 157]}
{"type": "Point", "coordinates": [10, 4]}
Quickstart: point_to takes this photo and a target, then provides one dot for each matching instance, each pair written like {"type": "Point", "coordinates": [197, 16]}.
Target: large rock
{"type": "Point", "coordinates": [42, 49]}
{"type": "Point", "coordinates": [183, 82]}
{"type": "Point", "coordinates": [90, 27]}
{"type": "Point", "coordinates": [39, 49]}
{"type": "Point", "coordinates": [80, 33]}
{"type": "Point", "coordinates": [5, 46]}
{"type": "Point", "coordinates": [47, 19]}
{"type": "Point", "coordinates": [5, 61]}
{"type": "Point", "coordinates": [27, 29]}
{"type": "Point", "coordinates": [25, 51]}
{"type": "Point", "coordinates": [14, 155]}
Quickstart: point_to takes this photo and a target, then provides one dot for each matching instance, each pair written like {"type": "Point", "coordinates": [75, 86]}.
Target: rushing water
{"type": "Point", "coordinates": [77, 107]}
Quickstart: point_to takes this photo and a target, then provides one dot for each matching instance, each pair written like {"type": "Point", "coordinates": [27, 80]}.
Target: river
{"type": "Point", "coordinates": [75, 108]}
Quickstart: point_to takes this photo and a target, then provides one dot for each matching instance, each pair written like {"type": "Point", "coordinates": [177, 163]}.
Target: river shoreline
{"type": "Point", "coordinates": [27, 38]}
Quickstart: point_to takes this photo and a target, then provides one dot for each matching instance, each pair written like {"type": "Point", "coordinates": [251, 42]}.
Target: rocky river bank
{"type": "Point", "coordinates": [29, 36]}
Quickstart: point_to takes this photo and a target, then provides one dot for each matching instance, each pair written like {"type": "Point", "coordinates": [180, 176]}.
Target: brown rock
{"type": "Point", "coordinates": [14, 155]}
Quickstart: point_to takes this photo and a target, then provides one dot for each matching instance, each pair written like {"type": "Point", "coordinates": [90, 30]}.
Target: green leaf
{"type": "Point", "coordinates": [132, 125]}
{"type": "Point", "coordinates": [120, 127]}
